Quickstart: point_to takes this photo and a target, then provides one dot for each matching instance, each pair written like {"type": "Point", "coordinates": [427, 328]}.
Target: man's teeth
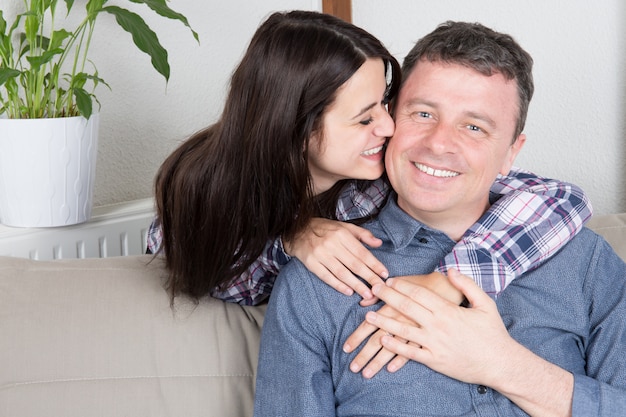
{"type": "Point", "coordinates": [372, 151]}
{"type": "Point", "coordinates": [436, 172]}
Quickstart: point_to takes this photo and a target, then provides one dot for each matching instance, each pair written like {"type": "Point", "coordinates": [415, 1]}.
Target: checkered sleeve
{"type": "Point", "coordinates": [531, 220]}
{"type": "Point", "coordinates": [255, 285]}
{"type": "Point", "coordinates": [250, 288]}
{"type": "Point", "coordinates": [154, 236]}
{"type": "Point", "coordinates": [355, 202]}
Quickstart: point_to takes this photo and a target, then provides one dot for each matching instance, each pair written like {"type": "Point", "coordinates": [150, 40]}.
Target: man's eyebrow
{"type": "Point", "coordinates": [482, 117]}
{"type": "Point", "coordinates": [364, 110]}
{"type": "Point", "coordinates": [419, 102]}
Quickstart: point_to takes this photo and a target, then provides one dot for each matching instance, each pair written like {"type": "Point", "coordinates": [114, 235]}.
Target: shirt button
{"type": "Point", "coordinates": [482, 389]}
{"type": "Point", "coordinates": [423, 240]}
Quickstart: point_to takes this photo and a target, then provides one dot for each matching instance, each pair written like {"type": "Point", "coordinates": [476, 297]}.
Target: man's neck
{"type": "Point", "coordinates": [454, 223]}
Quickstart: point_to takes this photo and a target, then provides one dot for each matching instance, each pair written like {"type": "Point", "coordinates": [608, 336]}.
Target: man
{"type": "Point", "coordinates": [459, 118]}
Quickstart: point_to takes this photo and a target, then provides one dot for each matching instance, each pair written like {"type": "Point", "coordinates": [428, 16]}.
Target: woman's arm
{"type": "Point", "coordinates": [154, 238]}
{"type": "Point", "coordinates": [250, 288]}
{"type": "Point", "coordinates": [254, 286]}
{"type": "Point", "coordinates": [532, 219]}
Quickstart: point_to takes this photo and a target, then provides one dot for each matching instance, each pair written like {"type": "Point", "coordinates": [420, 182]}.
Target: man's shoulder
{"type": "Point", "coordinates": [294, 270]}
{"type": "Point", "coordinates": [307, 295]}
{"type": "Point", "coordinates": [587, 253]}
{"type": "Point", "coordinates": [295, 277]}
{"type": "Point", "coordinates": [589, 240]}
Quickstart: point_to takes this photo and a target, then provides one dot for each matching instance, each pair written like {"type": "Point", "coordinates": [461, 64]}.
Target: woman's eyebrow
{"type": "Point", "coordinates": [364, 110]}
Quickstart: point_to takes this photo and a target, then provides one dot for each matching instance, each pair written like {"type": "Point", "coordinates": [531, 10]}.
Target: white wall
{"type": "Point", "coordinates": [576, 126]}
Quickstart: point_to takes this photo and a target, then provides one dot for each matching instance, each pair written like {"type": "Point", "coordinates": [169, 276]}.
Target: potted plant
{"type": "Point", "coordinates": [47, 79]}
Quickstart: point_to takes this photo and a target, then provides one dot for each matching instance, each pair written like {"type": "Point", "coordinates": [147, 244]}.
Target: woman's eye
{"type": "Point", "coordinates": [366, 121]}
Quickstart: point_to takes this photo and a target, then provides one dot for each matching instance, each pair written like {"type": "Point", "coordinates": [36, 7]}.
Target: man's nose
{"type": "Point", "coordinates": [442, 138]}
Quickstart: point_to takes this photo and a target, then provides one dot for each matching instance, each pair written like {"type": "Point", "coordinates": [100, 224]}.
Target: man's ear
{"type": "Point", "coordinates": [514, 150]}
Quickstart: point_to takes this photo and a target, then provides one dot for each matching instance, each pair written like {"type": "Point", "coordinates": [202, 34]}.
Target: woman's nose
{"type": "Point", "coordinates": [386, 126]}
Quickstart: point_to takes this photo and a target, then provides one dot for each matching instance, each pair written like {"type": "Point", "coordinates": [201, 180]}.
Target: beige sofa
{"type": "Point", "coordinates": [97, 337]}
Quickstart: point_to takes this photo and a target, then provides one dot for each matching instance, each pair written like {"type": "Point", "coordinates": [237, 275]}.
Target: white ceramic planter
{"type": "Point", "coordinates": [47, 170]}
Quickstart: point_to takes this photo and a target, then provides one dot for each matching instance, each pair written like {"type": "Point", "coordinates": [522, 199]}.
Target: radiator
{"type": "Point", "coordinates": [114, 230]}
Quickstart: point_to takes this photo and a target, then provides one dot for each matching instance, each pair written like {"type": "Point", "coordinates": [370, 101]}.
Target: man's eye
{"type": "Point", "coordinates": [421, 116]}
{"type": "Point", "coordinates": [366, 121]}
{"type": "Point", "coordinates": [474, 128]}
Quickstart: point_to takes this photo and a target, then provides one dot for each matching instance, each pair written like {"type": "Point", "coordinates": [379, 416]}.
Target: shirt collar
{"type": "Point", "coordinates": [400, 227]}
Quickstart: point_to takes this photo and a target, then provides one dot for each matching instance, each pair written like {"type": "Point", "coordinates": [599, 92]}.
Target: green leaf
{"type": "Point", "coordinates": [78, 80]}
{"type": "Point", "coordinates": [31, 25]}
{"type": "Point", "coordinates": [160, 7]}
{"type": "Point", "coordinates": [145, 39]}
{"type": "Point", "coordinates": [7, 73]}
{"type": "Point", "coordinates": [97, 80]}
{"type": "Point", "coordinates": [38, 61]}
{"type": "Point", "coordinates": [3, 23]}
{"type": "Point", "coordinates": [58, 37]}
{"type": "Point", "coordinates": [93, 8]}
{"type": "Point", "coordinates": [68, 5]}
{"type": "Point", "coordinates": [83, 102]}
{"type": "Point", "coordinates": [40, 41]}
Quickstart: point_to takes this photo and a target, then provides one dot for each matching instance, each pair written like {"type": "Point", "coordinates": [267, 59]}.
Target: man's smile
{"type": "Point", "coordinates": [440, 173]}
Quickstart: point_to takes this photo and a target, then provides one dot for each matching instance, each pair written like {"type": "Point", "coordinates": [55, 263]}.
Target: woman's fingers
{"type": "Point", "coordinates": [335, 252]}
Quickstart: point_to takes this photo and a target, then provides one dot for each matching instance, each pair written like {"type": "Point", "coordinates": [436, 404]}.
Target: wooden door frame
{"type": "Point", "coordinates": [340, 8]}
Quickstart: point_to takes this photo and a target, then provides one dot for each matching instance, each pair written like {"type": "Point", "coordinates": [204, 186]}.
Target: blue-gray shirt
{"type": "Point", "coordinates": [571, 311]}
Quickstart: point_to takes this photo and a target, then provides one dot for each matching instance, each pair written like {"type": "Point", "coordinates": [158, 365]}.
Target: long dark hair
{"type": "Point", "coordinates": [244, 181]}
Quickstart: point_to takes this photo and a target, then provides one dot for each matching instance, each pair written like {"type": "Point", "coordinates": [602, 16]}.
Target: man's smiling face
{"type": "Point", "coordinates": [454, 134]}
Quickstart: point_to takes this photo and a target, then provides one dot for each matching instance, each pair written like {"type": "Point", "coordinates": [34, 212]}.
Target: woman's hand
{"type": "Point", "coordinates": [374, 356]}
{"type": "Point", "coordinates": [335, 252]}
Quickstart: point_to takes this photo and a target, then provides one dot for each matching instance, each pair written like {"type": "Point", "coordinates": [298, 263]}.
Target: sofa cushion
{"type": "Point", "coordinates": [613, 228]}
{"type": "Point", "coordinates": [97, 337]}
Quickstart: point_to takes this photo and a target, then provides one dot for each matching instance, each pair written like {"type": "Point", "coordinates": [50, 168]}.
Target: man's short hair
{"type": "Point", "coordinates": [482, 49]}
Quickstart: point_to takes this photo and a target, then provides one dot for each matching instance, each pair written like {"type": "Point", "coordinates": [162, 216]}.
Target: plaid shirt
{"type": "Point", "coordinates": [530, 219]}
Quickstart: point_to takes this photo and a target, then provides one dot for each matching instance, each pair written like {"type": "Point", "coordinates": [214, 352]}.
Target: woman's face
{"type": "Point", "coordinates": [354, 130]}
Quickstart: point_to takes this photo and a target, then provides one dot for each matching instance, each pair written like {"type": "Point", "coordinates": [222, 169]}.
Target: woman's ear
{"type": "Point", "coordinates": [315, 141]}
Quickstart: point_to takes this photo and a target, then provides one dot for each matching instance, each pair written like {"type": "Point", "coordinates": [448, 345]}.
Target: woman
{"type": "Point", "coordinates": [301, 138]}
